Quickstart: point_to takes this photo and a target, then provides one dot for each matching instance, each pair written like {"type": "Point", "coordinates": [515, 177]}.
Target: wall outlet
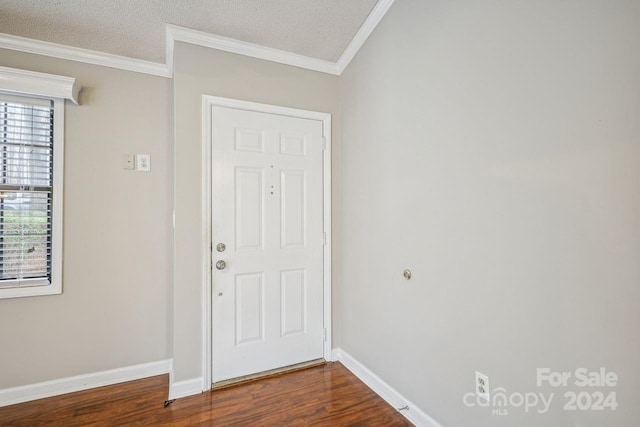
{"type": "Point", "coordinates": [143, 162]}
{"type": "Point", "coordinates": [482, 386]}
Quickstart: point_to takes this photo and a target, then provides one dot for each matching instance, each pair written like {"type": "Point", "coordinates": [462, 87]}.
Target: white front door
{"type": "Point", "coordinates": [267, 228]}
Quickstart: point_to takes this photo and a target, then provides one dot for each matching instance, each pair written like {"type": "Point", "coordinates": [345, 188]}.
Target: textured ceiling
{"type": "Point", "coordinates": [316, 28]}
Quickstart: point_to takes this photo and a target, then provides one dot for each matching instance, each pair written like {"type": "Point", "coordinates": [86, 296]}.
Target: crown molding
{"type": "Point", "coordinates": [54, 50]}
{"type": "Point", "coordinates": [200, 38]}
{"type": "Point", "coordinates": [379, 11]}
{"type": "Point", "coordinates": [39, 84]}
{"type": "Point", "coordinates": [174, 33]}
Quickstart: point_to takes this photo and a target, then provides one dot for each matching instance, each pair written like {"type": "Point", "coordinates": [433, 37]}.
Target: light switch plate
{"type": "Point", "coordinates": [143, 162]}
{"type": "Point", "coordinates": [128, 161]}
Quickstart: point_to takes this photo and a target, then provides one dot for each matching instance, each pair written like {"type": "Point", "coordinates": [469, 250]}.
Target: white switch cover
{"type": "Point", "coordinates": [143, 162]}
{"type": "Point", "coordinates": [128, 161]}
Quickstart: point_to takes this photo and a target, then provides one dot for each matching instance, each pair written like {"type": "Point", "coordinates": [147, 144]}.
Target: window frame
{"type": "Point", "coordinates": [29, 84]}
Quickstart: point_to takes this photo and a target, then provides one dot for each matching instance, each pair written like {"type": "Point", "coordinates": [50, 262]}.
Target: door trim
{"type": "Point", "coordinates": [208, 102]}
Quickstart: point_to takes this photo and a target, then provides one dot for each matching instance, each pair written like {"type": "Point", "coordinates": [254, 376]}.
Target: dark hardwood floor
{"type": "Point", "coordinates": [326, 395]}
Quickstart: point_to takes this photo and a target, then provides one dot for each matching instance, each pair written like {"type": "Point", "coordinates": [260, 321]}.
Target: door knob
{"type": "Point", "coordinates": [221, 265]}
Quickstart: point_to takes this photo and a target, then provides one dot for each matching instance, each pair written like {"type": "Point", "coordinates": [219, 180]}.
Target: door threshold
{"type": "Point", "coordinates": [271, 373]}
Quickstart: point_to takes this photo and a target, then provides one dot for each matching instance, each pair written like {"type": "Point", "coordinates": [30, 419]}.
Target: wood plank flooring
{"type": "Point", "coordinates": [326, 395]}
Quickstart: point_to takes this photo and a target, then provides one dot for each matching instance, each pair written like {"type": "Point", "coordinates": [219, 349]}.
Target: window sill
{"type": "Point", "coordinates": [30, 291]}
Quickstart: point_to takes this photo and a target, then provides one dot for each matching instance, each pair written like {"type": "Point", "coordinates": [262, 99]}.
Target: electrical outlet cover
{"type": "Point", "coordinates": [482, 386]}
{"type": "Point", "coordinates": [143, 162]}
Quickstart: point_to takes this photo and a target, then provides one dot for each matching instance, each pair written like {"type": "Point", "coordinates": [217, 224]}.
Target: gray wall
{"type": "Point", "coordinates": [115, 309]}
{"type": "Point", "coordinates": [201, 71]}
{"type": "Point", "coordinates": [492, 147]}
{"type": "Point", "coordinates": [118, 301]}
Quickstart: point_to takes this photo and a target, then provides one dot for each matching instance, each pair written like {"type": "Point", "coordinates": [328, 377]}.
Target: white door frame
{"type": "Point", "coordinates": [208, 102]}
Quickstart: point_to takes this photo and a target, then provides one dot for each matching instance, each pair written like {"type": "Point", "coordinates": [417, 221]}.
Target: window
{"type": "Point", "coordinates": [31, 173]}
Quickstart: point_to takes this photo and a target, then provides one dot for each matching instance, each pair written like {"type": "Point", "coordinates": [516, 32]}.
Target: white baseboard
{"type": "Point", "coordinates": [25, 393]}
{"type": "Point", "coordinates": [384, 390]}
{"type": "Point", "coordinates": [185, 388]}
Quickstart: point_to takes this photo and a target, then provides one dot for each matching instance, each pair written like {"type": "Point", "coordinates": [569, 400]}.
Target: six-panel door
{"type": "Point", "coordinates": [267, 200]}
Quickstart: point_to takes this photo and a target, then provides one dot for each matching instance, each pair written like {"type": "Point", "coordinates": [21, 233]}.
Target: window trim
{"type": "Point", "coordinates": [40, 85]}
{"type": "Point", "coordinates": [57, 89]}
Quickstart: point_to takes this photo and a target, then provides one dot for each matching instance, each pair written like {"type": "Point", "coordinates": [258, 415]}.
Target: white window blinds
{"type": "Point", "coordinates": [26, 190]}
